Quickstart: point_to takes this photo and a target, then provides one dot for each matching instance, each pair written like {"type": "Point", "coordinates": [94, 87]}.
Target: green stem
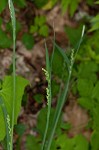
{"type": "Point", "coordinates": [14, 92]}
{"type": "Point", "coordinates": [13, 20]}
{"type": "Point", "coordinates": [47, 124]}
{"type": "Point", "coordinates": [57, 114]}
{"type": "Point", "coordinates": [48, 68]}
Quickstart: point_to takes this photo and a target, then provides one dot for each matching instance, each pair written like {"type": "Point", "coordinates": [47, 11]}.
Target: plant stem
{"type": "Point", "coordinates": [13, 20]}
{"type": "Point", "coordinates": [57, 114]}
{"type": "Point", "coordinates": [49, 70]}
{"type": "Point", "coordinates": [49, 96]}
{"type": "Point", "coordinates": [14, 93]}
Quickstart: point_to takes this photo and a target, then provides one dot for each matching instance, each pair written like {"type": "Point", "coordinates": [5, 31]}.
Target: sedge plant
{"type": "Point", "coordinates": [46, 144]}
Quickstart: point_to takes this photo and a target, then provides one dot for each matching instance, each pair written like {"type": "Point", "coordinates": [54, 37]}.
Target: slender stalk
{"type": "Point", "coordinates": [57, 114]}
{"type": "Point", "coordinates": [49, 96]}
{"type": "Point", "coordinates": [49, 70]}
{"type": "Point", "coordinates": [13, 20]}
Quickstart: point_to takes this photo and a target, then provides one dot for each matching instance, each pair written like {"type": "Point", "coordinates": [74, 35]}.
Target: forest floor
{"type": "Point", "coordinates": [29, 64]}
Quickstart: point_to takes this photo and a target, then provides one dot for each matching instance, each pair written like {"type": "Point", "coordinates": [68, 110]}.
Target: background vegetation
{"type": "Point", "coordinates": [78, 125]}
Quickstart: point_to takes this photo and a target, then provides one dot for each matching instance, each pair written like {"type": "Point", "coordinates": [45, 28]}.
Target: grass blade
{"type": "Point", "coordinates": [66, 60]}
{"type": "Point", "coordinates": [49, 94]}
{"type": "Point", "coordinates": [60, 104]}
{"type": "Point", "coordinates": [13, 20]}
{"type": "Point", "coordinates": [53, 47]}
{"type": "Point", "coordinates": [48, 78]}
{"type": "Point", "coordinates": [80, 41]}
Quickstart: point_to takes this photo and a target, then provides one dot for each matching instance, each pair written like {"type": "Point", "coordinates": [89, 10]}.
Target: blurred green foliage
{"type": "Point", "coordinates": [85, 74]}
{"type": "Point", "coordinates": [20, 3]}
{"type": "Point", "coordinates": [38, 98]}
{"type": "Point", "coordinates": [28, 40]}
{"type": "Point", "coordinates": [87, 83]}
{"type": "Point", "coordinates": [65, 4]}
{"type": "Point", "coordinates": [40, 26]}
{"type": "Point", "coordinates": [40, 3]}
{"type": "Point", "coordinates": [32, 143]}
{"type": "Point", "coordinates": [95, 23]}
{"type": "Point", "coordinates": [6, 42]}
{"type": "Point", "coordinates": [3, 4]}
{"type": "Point", "coordinates": [62, 142]}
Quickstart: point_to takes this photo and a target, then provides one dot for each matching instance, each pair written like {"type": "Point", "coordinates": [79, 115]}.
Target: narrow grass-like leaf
{"type": "Point", "coordinates": [53, 47]}
{"type": "Point", "coordinates": [48, 78]}
{"type": "Point", "coordinates": [63, 55]}
{"type": "Point", "coordinates": [13, 20]}
{"type": "Point", "coordinates": [63, 96]}
{"type": "Point", "coordinates": [80, 41]}
{"type": "Point", "coordinates": [60, 104]}
{"type": "Point", "coordinates": [47, 59]}
{"type": "Point", "coordinates": [49, 94]}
